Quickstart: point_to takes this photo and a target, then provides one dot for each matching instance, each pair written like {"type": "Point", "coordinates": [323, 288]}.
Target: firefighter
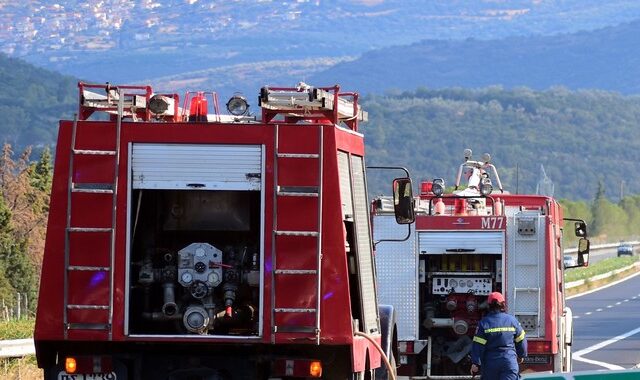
{"type": "Point", "coordinates": [499, 344]}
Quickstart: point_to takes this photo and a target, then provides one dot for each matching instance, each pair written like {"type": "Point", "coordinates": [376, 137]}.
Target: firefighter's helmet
{"type": "Point", "coordinates": [496, 297]}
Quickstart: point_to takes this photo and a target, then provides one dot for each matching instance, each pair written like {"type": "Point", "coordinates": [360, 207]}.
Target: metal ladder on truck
{"type": "Point", "coordinates": [527, 270]}
{"type": "Point", "coordinates": [82, 311]}
{"type": "Point", "coordinates": [309, 194]}
{"type": "Point", "coordinates": [309, 107]}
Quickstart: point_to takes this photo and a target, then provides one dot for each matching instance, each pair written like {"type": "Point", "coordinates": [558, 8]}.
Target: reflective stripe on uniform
{"type": "Point", "coordinates": [477, 339]}
{"type": "Point", "coordinates": [520, 337]}
{"type": "Point", "coordinates": [500, 329]}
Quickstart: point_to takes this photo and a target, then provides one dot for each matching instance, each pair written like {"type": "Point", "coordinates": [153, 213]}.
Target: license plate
{"type": "Point", "coordinates": [537, 359]}
{"type": "Point", "coordinates": [87, 376]}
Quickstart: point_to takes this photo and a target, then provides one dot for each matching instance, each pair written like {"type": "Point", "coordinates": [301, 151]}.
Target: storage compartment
{"type": "Point", "coordinates": [195, 260]}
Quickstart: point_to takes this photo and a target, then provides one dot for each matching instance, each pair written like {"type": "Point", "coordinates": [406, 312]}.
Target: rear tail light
{"type": "Point", "coordinates": [70, 365]}
{"type": "Point", "coordinates": [315, 369]}
{"type": "Point", "coordinates": [538, 346]}
{"type": "Point", "coordinates": [88, 364]}
{"type": "Point", "coordinates": [296, 368]}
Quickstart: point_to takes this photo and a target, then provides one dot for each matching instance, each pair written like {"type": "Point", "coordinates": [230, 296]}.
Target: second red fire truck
{"type": "Point", "coordinates": [463, 246]}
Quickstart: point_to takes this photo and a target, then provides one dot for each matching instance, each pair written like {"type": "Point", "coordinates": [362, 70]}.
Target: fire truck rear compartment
{"type": "Point", "coordinates": [453, 297]}
{"type": "Point", "coordinates": [194, 240]}
{"type": "Point", "coordinates": [194, 262]}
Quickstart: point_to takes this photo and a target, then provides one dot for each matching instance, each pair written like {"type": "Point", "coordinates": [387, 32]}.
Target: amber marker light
{"type": "Point", "coordinates": [70, 365]}
{"type": "Point", "coordinates": [315, 369]}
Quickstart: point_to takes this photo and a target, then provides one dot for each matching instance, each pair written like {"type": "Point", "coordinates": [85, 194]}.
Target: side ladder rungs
{"type": "Point", "coordinates": [295, 329]}
{"type": "Point", "coordinates": [95, 188]}
{"type": "Point", "coordinates": [293, 310]}
{"type": "Point", "coordinates": [298, 191]}
{"type": "Point", "coordinates": [88, 307]}
{"type": "Point", "coordinates": [296, 271]}
{"type": "Point", "coordinates": [87, 268]}
{"type": "Point", "coordinates": [91, 152]}
{"type": "Point", "coordinates": [298, 155]}
{"type": "Point", "coordinates": [89, 229]}
{"type": "Point", "coordinates": [88, 326]}
{"type": "Point", "coordinates": [296, 233]}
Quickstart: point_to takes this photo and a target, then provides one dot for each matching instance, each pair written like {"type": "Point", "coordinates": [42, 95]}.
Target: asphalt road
{"type": "Point", "coordinates": [607, 327]}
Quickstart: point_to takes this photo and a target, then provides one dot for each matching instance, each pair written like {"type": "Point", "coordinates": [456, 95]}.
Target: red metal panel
{"type": "Point", "coordinates": [299, 138]}
{"type": "Point", "coordinates": [93, 169]}
{"type": "Point", "coordinates": [50, 301]}
{"type": "Point", "coordinates": [88, 316]}
{"type": "Point", "coordinates": [444, 222]}
{"type": "Point", "coordinates": [296, 252]}
{"type": "Point", "coordinates": [93, 135]}
{"type": "Point", "coordinates": [297, 172]}
{"type": "Point", "coordinates": [296, 291]}
{"type": "Point", "coordinates": [90, 210]}
{"type": "Point", "coordinates": [336, 313]}
{"type": "Point", "coordinates": [89, 287]}
{"type": "Point", "coordinates": [88, 335]}
{"type": "Point", "coordinates": [349, 142]}
{"type": "Point", "coordinates": [362, 347]}
{"type": "Point", "coordinates": [89, 249]}
{"type": "Point", "coordinates": [297, 213]}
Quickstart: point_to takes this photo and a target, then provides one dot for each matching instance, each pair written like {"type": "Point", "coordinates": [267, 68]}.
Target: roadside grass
{"type": "Point", "coordinates": [18, 368]}
{"type": "Point", "coordinates": [17, 329]}
{"type": "Point", "coordinates": [604, 266]}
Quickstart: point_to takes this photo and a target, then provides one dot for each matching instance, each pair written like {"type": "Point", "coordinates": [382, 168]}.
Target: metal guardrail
{"type": "Point", "coordinates": [16, 348]}
{"type": "Point", "coordinates": [602, 246]}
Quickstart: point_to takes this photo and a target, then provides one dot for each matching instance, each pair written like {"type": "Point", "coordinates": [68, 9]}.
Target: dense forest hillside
{"type": "Point", "coordinates": [607, 59]}
{"type": "Point", "coordinates": [32, 100]}
{"type": "Point", "coordinates": [581, 138]}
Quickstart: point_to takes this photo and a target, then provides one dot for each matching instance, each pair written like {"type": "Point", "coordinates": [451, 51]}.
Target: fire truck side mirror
{"type": "Point", "coordinates": [583, 252]}
{"type": "Point", "coordinates": [581, 229]}
{"type": "Point", "coordinates": [403, 203]}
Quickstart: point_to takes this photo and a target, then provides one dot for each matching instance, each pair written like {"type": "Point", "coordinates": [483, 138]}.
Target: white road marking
{"type": "Point", "coordinates": [598, 309]}
{"type": "Point", "coordinates": [588, 313]}
{"type": "Point", "coordinates": [609, 306]}
{"type": "Point", "coordinates": [595, 362]}
{"type": "Point", "coordinates": [627, 300]}
{"type": "Point", "coordinates": [578, 355]}
{"type": "Point", "coordinates": [618, 303]}
{"type": "Point", "coordinates": [576, 316]}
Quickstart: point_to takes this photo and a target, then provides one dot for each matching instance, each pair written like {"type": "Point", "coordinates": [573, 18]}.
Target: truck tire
{"type": "Point", "coordinates": [389, 340]}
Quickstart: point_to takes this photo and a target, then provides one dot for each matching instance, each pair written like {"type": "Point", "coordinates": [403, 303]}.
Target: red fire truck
{"type": "Point", "coordinates": [184, 243]}
{"type": "Point", "coordinates": [464, 245]}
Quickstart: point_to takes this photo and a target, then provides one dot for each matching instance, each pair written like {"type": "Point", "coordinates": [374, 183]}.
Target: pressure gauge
{"type": "Point", "coordinates": [214, 278]}
{"type": "Point", "coordinates": [187, 277]}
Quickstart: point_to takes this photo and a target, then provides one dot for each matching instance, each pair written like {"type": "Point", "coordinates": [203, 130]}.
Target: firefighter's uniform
{"type": "Point", "coordinates": [498, 339]}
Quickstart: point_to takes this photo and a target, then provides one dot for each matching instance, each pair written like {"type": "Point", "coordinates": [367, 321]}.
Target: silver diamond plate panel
{"type": "Point", "coordinates": [345, 184]}
{"type": "Point", "coordinates": [397, 268]}
{"type": "Point", "coordinates": [526, 273]}
{"type": "Point", "coordinates": [365, 247]}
